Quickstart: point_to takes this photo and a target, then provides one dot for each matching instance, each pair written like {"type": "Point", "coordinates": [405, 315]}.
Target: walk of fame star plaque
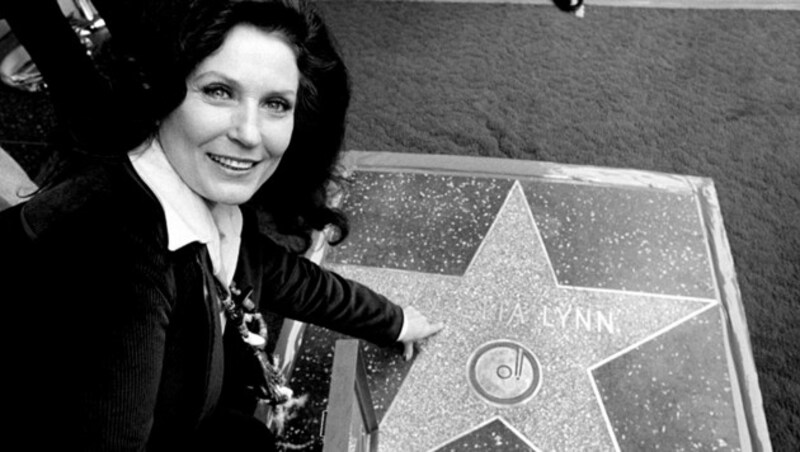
{"type": "Point", "coordinates": [585, 308]}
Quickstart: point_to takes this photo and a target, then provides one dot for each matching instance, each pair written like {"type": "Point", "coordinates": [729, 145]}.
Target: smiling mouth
{"type": "Point", "coordinates": [232, 163]}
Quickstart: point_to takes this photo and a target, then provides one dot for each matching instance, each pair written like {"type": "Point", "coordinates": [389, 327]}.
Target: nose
{"type": "Point", "coordinates": [244, 126]}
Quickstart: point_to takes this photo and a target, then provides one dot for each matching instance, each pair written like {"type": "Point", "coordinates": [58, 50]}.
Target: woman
{"type": "Point", "coordinates": [132, 271]}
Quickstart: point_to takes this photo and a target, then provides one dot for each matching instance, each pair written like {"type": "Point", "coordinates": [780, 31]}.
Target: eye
{"type": "Point", "coordinates": [278, 105]}
{"type": "Point", "coordinates": [217, 91]}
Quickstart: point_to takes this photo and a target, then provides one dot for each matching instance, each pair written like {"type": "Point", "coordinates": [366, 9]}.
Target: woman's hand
{"type": "Point", "coordinates": [416, 328]}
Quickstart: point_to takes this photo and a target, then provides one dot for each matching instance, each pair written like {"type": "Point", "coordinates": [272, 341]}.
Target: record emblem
{"type": "Point", "coordinates": [504, 373]}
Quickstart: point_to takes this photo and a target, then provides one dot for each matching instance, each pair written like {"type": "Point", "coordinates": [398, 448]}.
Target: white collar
{"type": "Point", "coordinates": [188, 217]}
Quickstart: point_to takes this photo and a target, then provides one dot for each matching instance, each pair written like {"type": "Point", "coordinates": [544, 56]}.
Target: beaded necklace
{"type": "Point", "coordinates": [239, 309]}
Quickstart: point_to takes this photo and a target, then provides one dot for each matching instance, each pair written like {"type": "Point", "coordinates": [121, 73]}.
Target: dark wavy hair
{"type": "Point", "coordinates": [295, 198]}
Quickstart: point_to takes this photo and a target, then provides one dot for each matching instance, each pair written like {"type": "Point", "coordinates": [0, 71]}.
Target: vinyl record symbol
{"type": "Point", "coordinates": [504, 373]}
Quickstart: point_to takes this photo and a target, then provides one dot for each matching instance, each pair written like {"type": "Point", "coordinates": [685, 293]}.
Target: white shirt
{"type": "Point", "coordinates": [188, 216]}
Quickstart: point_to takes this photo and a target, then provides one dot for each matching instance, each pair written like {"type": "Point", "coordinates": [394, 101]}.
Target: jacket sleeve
{"type": "Point", "coordinates": [299, 289]}
{"type": "Point", "coordinates": [121, 361]}
{"type": "Point", "coordinates": [90, 372]}
{"type": "Point", "coordinates": [124, 369]}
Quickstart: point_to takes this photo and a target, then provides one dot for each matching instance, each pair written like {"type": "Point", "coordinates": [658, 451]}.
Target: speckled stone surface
{"type": "Point", "coordinates": [418, 222]}
{"type": "Point", "coordinates": [510, 294]}
{"type": "Point", "coordinates": [672, 392]}
{"type": "Point", "coordinates": [386, 371]}
{"type": "Point", "coordinates": [623, 238]}
{"type": "Point", "coordinates": [495, 435]}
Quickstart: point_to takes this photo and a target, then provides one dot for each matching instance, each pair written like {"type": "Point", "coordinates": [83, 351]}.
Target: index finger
{"type": "Point", "coordinates": [435, 328]}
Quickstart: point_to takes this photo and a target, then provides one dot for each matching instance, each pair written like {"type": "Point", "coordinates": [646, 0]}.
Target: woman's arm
{"type": "Point", "coordinates": [121, 373]}
{"type": "Point", "coordinates": [89, 350]}
{"type": "Point", "coordinates": [297, 288]}
{"type": "Point", "coordinates": [116, 346]}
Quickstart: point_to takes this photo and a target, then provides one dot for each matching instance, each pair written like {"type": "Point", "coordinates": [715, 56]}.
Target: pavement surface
{"type": "Point", "coordinates": [697, 4]}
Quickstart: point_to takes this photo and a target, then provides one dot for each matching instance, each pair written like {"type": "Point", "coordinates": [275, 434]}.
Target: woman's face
{"type": "Point", "coordinates": [229, 134]}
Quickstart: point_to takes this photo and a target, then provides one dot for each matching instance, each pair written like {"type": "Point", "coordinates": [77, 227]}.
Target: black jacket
{"type": "Point", "coordinates": [112, 344]}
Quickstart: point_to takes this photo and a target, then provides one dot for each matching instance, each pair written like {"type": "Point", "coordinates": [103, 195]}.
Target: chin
{"type": "Point", "coordinates": [231, 198]}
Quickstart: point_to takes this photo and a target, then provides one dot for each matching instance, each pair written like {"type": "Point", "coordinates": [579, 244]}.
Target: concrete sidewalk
{"type": "Point", "coordinates": [13, 181]}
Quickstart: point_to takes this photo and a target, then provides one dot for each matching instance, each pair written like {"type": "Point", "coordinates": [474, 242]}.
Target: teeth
{"type": "Point", "coordinates": [232, 163]}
